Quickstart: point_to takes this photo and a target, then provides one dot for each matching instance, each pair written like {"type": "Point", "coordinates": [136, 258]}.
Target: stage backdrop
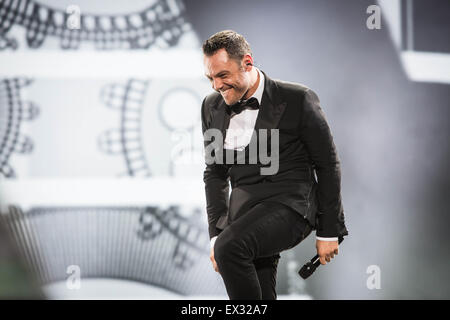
{"type": "Point", "coordinates": [101, 154]}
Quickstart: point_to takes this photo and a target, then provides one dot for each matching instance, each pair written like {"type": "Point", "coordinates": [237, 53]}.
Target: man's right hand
{"type": "Point", "coordinates": [211, 257]}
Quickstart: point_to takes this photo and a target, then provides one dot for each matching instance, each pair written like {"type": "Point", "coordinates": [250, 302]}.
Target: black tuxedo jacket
{"type": "Point", "coordinates": [305, 145]}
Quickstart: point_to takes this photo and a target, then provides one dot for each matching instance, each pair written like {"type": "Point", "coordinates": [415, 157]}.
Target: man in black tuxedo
{"type": "Point", "coordinates": [265, 213]}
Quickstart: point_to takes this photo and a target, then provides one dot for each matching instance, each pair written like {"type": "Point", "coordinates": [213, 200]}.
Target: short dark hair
{"type": "Point", "coordinates": [234, 44]}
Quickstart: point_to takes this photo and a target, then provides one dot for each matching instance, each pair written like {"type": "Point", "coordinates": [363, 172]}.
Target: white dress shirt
{"type": "Point", "coordinates": [240, 130]}
{"type": "Point", "coordinates": [242, 125]}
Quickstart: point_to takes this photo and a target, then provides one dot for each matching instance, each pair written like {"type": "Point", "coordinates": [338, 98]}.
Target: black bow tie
{"type": "Point", "coordinates": [238, 107]}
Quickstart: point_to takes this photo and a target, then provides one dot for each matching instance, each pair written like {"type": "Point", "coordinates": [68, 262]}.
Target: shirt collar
{"type": "Point", "coordinates": [259, 91]}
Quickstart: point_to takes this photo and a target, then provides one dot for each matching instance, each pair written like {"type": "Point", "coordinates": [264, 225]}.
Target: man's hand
{"type": "Point", "coordinates": [211, 257]}
{"type": "Point", "coordinates": [326, 250]}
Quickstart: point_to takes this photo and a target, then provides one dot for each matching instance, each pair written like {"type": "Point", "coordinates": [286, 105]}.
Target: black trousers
{"type": "Point", "coordinates": [248, 250]}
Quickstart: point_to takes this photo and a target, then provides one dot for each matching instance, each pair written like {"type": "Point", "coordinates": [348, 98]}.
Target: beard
{"type": "Point", "coordinates": [232, 94]}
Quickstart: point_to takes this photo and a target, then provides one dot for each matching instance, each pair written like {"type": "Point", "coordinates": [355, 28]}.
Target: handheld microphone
{"type": "Point", "coordinates": [311, 266]}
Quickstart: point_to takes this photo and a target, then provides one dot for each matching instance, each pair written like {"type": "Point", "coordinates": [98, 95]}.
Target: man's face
{"type": "Point", "coordinates": [227, 76]}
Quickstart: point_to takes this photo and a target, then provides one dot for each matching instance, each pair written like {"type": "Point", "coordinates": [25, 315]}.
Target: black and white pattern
{"type": "Point", "coordinates": [167, 110]}
{"type": "Point", "coordinates": [162, 246]}
{"type": "Point", "coordinates": [13, 111]}
{"type": "Point", "coordinates": [162, 23]}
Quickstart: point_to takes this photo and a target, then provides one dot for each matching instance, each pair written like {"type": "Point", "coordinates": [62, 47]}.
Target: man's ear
{"type": "Point", "coordinates": [248, 62]}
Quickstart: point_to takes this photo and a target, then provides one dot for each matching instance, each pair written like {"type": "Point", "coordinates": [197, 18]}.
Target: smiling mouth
{"type": "Point", "coordinates": [226, 90]}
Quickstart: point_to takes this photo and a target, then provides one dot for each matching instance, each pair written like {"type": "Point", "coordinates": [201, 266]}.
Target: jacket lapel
{"type": "Point", "coordinates": [272, 107]}
{"type": "Point", "coordinates": [220, 118]}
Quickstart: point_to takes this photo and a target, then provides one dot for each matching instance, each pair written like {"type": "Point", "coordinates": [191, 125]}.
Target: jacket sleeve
{"type": "Point", "coordinates": [317, 137]}
{"type": "Point", "coordinates": [216, 181]}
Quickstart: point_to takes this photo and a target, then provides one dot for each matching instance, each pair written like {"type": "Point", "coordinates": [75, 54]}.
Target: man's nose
{"type": "Point", "coordinates": [217, 84]}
